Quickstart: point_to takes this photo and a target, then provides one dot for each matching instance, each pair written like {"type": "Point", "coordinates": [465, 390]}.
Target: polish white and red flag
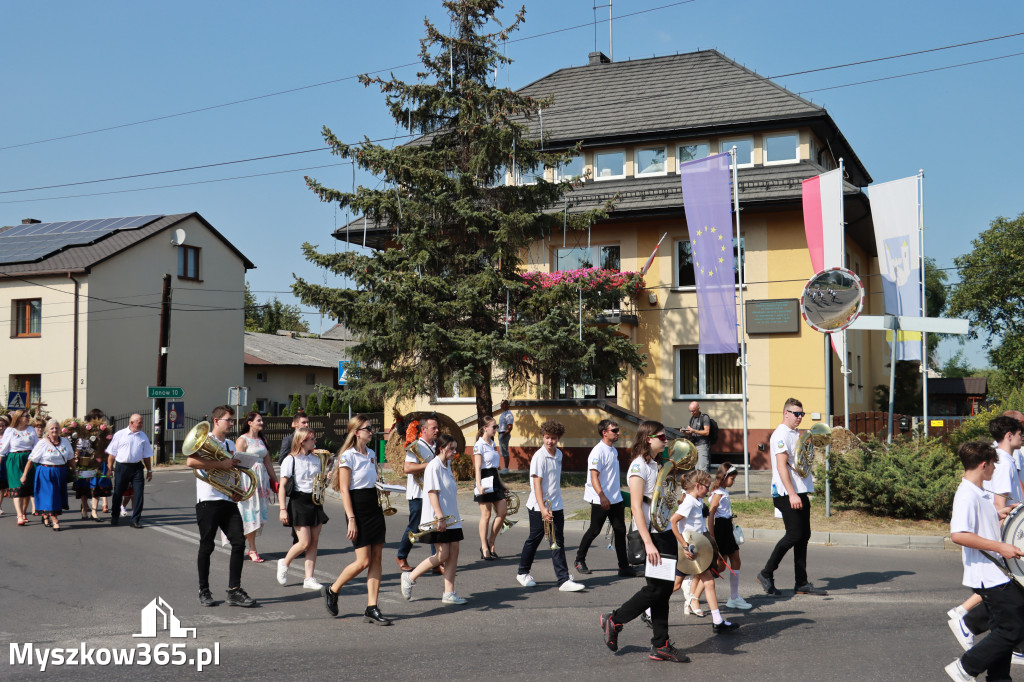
{"type": "Point", "coordinates": [823, 225]}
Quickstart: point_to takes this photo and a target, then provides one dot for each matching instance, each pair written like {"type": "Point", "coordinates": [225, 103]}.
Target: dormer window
{"type": "Point", "coordinates": [692, 152]}
{"type": "Point", "coordinates": [570, 170]}
{"type": "Point", "coordinates": [744, 150]}
{"type": "Point", "coordinates": [782, 148]}
{"type": "Point", "coordinates": [650, 161]}
{"type": "Point", "coordinates": [610, 165]}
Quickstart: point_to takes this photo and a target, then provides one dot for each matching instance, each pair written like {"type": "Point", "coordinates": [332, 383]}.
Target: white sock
{"type": "Point", "coordinates": [960, 611]}
{"type": "Point", "coordinates": [734, 585]}
{"type": "Point", "coordinates": [716, 616]}
{"type": "Point", "coordinates": [648, 612]}
{"type": "Point", "coordinates": [687, 584]}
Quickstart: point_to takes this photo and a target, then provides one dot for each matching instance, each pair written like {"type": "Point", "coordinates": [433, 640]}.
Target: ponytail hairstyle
{"type": "Point", "coordinates": [694, 478]}
{"type": "Point", "coordinates": [357, 422]}
{"type": "Point", "coordinates": [480, 432]}
{"type": "Point", "coordinates": [444, 440]}
{"type": "Point", "coordinates": [725, 470]}
{"type": "Point", "coordinates": [642, 446]}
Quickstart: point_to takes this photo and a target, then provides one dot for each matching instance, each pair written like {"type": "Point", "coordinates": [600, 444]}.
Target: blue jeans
{"type": "Point", "coordinates": [415, 510]}
{"type": "Point", "coordinates": [534, 540]}
{"type": "Point", "coordinates": [503, 441]}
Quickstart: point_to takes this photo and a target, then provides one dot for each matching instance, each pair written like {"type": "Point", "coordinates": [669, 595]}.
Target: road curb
{"type": "Point", "coordinates": [871, 540]}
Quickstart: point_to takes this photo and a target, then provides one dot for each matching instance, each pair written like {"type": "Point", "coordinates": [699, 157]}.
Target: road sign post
{"type": "Point", "coordinates": [17, 400]}
{"type": "Point", "coordinates": [155, 392]}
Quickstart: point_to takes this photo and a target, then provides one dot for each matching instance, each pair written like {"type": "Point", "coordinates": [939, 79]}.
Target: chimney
{"type": "Point", "coordinates": [598, 58]}
{"type": "Point", "coordinates": [30, 221]}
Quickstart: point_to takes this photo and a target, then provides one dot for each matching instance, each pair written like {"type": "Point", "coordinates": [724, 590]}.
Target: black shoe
{"type": "Point", "coordinates": [767, 583]}
{"type": "Point", "coordinates": [668, 653]}
{"type": "Point", "coordinates": [486, 557]}
{"type": "Point", "coordinates": [135, 524]}
{"type": "Point", "coordinates": [808, 588]}
{"type": "Point", "coordinates": [628, 572]}
{"type": "Point", "coordinates": [646, 620]}
{"type": "Point", "coordinates": [373, 615]}
{"type": "Point", "coordinates": [238, 597]}
{"type": "Point", "coordinates": [611, 631]}
{"type": "Point", "coordinates": [205, 598]}
{"type": "Point", "coordinates": [581, 566]}
{"type": "Point", "coordinates": [330, 599]}
{"type": "Point", "coordinates": [724, 626]}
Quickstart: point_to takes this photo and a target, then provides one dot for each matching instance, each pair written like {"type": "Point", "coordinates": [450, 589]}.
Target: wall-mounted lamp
{"type": "Point", "coordinates": [652, 298]}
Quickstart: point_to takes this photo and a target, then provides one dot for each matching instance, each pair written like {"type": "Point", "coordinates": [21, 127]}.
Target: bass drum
{"type": "Point", "coordinates": [1013, 533]}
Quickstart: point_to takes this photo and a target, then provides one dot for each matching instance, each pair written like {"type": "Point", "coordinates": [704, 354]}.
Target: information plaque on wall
{"type": "Point", "coordinates": [773, 316]}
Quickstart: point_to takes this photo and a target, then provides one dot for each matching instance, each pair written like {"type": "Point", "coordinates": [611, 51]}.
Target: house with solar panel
{"type": "Point", "coordinates": [636, 122]}
{"type": "Point", "coordinates": [84, 299]}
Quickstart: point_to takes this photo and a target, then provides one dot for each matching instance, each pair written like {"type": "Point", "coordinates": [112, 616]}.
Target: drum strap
{"type": "Point", "coordinates": [1003, 568]}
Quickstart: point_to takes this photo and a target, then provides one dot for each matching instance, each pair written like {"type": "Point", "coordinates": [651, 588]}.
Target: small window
{"type": "Point", "coordinates": [781, 148]}
{"type": "Point", "coordinates": [570, 170]}
{"type": "Point", "coordinates": [310, 379]}
{"type": "Point", "coordinates": [261, 377]}
{"type": "Point", "coordinates": [610, 165]}
{"type": "Point", "coordinates": [530, 176]}
{"type": "Point", "coordinates": [456, 391]}
{"type": "Point", "coordinates": [684, 261]}
{"type": "Point", "coordinates": [188, 262]}
{"type": "Point", "coordinates": [567, 391]}
{"type": "Point", "coordinates": [263, 405]}
{"type": "Point", "coordinates": [744, 150]}
{"type": "Point", "coordinates": [707, 376]}
{"type": "Point", "coordinates": [26, 317]}
{"type": "Point", "coordinates": [692, 152]}
{"type": "Point", "coordinates": [650, 161]}
{"type": "Point", "coordinates": [30, 385]}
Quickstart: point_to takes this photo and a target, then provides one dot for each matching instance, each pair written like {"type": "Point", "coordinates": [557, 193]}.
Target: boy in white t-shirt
{"type": "Point", "coordinates": [975, 527]}
{"type": "Point", "coordinates": [545, 507]}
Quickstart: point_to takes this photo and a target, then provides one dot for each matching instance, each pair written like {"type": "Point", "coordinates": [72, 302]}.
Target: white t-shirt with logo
{"type": "Point", "coordinates": [604, 459]}
{"type": "Point", "coordinates": [206, 492]}
{"type": "Point", "coordinates": [548, 469]}
{"type": "Point", "coordinates": [412, 486]}
{"type": "Point", "coordinates": [648, 471]}
{"type": "Point", "coordinates": [438, 476]}
{"type": "Point", "coordinates": [363, 468]}
{"type": "Point", "coordinates": [974, 511]}
{"type": "Point", "coordinates": [490, 457]}
{"type": "Point", "coordinates": [784, 440]}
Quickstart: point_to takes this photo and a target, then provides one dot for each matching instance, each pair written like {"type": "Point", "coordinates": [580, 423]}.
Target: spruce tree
{"type": "Point", "coordinates": [430, 309]}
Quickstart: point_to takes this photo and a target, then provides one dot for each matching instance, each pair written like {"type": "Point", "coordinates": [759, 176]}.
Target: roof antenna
{"type": "Point", "coordinates": [611, 47]}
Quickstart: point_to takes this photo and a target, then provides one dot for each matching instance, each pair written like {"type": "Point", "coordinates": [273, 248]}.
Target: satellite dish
{"type": "Point", "coordinates": [178, 238]}
{"type": "Point", "coordinates": [832, 300]}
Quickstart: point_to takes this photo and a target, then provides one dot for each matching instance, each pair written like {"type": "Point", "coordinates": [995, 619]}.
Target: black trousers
{"type": "Point", "coordinates": [798, 533]}
{"type": "Point", "coordinates": [617, 514]}
{"type": "Point", "coordinates": [211, 517]}
{"type": "Point", "coordinates": [1005, 604]}
{"type": "Point", "coordinates": [654, 595]}
{"type": "Point", "coordinates": [125, 475]}
{"type": "Point", "coordinates": [534, 539]}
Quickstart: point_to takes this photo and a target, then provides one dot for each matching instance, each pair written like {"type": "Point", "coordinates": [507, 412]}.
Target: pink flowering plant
{"type": "Point", "coordinates": [598, 279]}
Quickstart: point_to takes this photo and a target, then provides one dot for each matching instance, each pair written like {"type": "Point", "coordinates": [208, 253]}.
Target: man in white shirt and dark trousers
{"type": "Point", "coordinates": [603, 493]}
{"type": "Point", "coordinates": [216, 511]}
{"type": "Point", "coordinates": [791, 496]}
{"type": "Point", "coordinates": [414, 469]}
{"type": "Point", "coordinates": [545, 506]}
{"type": "Point", "coordinates": [131, 449]}
{"type": "Point", "coordinates": [975, 527]}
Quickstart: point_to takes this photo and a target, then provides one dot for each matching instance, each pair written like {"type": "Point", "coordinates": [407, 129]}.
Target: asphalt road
{"type": "Point", "coordinates": [884, 618]}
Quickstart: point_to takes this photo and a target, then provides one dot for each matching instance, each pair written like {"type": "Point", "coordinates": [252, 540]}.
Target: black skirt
{"type": "Point", "coordinates": [499, 489]}
{"type": "Point", "coordinates": [449, 535]}
{"type": "Point", "coordinates": [370, 527]}
{"type": "Point", "coordinates": [302, 511]}
{"type": "Point", "coordinates": [724, 537]}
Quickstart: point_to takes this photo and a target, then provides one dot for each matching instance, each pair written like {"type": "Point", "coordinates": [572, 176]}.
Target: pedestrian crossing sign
{"type": "Point", "coordinates": [16, 400]}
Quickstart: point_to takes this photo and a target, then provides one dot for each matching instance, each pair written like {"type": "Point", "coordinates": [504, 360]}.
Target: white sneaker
{"type": "Point", "coordinates": [571, 586]}
{"type": "Point", "coordinates": [526, 580]}
{"type": "Point", "coordinates": [451, 598]}
{"type": "Point", "coordinates": [125, 512]}
{"type": "Point", "coordinates": [960, 631]}
{"type": "Point", "coordinates": [282, 572]}
{"type": "Point", "coordinates": [955, 613]}
{"type": "Point", "coordinates": [1017, 658]}
{"type": "Point", "coordinates": [311, 584]}
{"type": "Point", "coordinates": [407, 584]}
{"type": "Point", "coordinates": [957, 672]}
{"type": "Point", "coordinates": [738, 603]}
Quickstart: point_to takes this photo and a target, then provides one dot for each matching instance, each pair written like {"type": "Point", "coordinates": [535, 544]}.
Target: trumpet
{"type": "Point", "coordinates": [240, 481]}
{"type": "Point", "coordinates": [323, 477]}
{"type": "Point", "coordinates": [384, 497]}
{"type": "Point", "coordinates": [429, 527]}
{"type": "Point", "coordinates": [549, 527]}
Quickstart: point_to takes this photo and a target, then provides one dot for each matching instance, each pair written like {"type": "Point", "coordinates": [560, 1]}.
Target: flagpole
{"type": "Point", "coordinates": [743, 321]}
{"type": "Point", "coordinates": [924, 299]}
{"type": "Point", "coordinates": [845, 371]}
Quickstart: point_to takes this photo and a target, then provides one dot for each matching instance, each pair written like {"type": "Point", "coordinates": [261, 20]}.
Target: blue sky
{"type": "Point", "coordinates": [74, 67]}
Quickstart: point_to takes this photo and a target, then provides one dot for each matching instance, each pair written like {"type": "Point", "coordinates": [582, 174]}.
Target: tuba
{"type": "Point", "coordinates": [239, 481]}
{"type": "Point", "coordinates": [819, 436]}
{"type": "Point", "coordinates": [323, 478]}
{"type": "Point", "coordinates": [682, 455]}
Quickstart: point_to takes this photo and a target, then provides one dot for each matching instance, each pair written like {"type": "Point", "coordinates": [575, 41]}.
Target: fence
{"type": "Point", "coordinates": [867, 424]}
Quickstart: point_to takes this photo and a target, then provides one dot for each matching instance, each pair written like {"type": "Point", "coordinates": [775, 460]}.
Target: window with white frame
{"type": "Point", "coordinates": [782, 148]}
{"type": "Point", "coordinates": [650, 161]}
{"type": "Point", "coordinates": [573, 258]}
{"type": "Point", "coordinates": [529, 176]}
{"type": "Point", "coordinates": [707, 376]}
{"type": "Point", "coordinates": [744, 150]}
{"type": "Point", "coordinates": [570, 170]}
{"type": "Point", "coordinates": [692, 152]}
{"type": "Point", "coordinates": [684, 261]}
{"type": "Point", "coordinates": [567, 391]}
{"type": "Point", "coordinates": [610, 165]}
{"type": "Point", "coordinates": [455, 391]}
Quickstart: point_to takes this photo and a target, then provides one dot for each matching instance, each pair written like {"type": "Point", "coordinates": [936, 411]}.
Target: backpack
{"type": "Point", "coordinates": [713, 432]}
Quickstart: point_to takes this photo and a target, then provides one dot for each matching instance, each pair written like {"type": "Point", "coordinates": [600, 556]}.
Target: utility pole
{"type": "Point", "coordinates": [161, 368]}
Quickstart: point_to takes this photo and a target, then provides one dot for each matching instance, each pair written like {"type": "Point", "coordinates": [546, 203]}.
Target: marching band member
{"type": "Point", "coordinates": [18, 441]}
{"type": "Point", "coordinates": [486, 459]}
{"type": "Point", "coordinates": [642, 478]}
{"type": "Point", "coordinates": [721, 512]}
{"type": "Point", "coordinates": [307, 518]}
{"type": "Point", "coordinates": [605, 498]}
{"type": "Point", "coordinates": [439, 484]}
{"type": "Point", "coordinates": [413, 468]}
{"type": "Point", "coordinates": [216, 511]}
{"type": "Point", "coordinates": [51, 455]}
{"type": "Point", "coordinates": [357, 480]}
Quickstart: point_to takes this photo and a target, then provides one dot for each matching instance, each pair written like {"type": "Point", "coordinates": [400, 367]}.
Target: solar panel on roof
{"type": "Point", "coordinates": [35, 241]}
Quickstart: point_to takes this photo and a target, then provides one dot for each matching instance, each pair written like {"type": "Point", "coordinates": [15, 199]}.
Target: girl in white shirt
{"type": "Point", "coordinates": [305, 517]}
{"type": "Point", "coordinates": [690, 517]}
{"type": "Point", "coordinates": [721, 512]}
{"type": "Point", "coordinates": [441, 502]}
{"type": "Point", "coordinates": [486, 459]}
{"type": "Point", "coordinates": [15, 446]}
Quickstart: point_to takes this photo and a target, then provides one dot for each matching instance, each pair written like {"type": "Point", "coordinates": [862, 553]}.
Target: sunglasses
{"type": "Point", "coordinates": [615, 430]}
{"type": "Point", "coordinates": [365, 428]}
{"type": "Point", "coordinates": [660, 436]}
{"type": "Point", "coordinates": [796, 414]}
